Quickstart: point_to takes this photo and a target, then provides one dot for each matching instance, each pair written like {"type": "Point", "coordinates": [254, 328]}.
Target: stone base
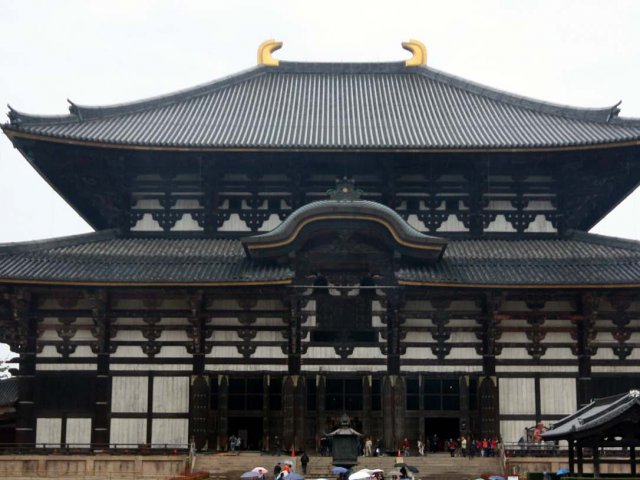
{"type": "Point", "coordinates": [98, 465]}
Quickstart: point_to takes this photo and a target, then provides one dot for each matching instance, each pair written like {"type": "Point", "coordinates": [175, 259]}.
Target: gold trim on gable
{"type": "Point", "coordinates": [371, 218]}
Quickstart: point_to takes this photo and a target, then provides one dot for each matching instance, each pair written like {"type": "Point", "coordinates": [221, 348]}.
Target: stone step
{"type": "Point", "coordinates": [432, 466]}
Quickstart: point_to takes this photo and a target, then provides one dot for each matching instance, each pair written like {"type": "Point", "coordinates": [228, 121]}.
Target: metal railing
{"type": "Point", "coordinates": [534, 449]}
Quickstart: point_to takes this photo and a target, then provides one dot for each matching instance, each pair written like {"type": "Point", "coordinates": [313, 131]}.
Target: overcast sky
{"type": "Point", "coordinates": [581, 53]}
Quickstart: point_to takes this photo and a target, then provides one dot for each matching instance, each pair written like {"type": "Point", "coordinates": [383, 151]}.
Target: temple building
{"type": "Point", "coordinates": [301, 240]}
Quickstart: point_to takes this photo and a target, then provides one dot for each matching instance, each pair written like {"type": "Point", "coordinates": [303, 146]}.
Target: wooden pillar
{"type": "Point", "coordinates": [464, 406]}
{"type": "Point", "coordinates": [489, 333]}
{"type": "Point", "coordinates": [266, 413]}
{"type": "Point", "coordinates": [572, 460]}
{"type": "Point", "coordinates": [589, 312]}
{"type": "Point", "coordinates": [293, 412]}
{"type": "Point", "coordinates": [200, 400]}
{"type": "Point", "coordinates": [393, 334]}
{"type": "Point", "coordinates": [24, 336]}
{"type": "Point", "coordinates": [299, 413]}
{"type": "Point", "coordinates": [102, 332]}
{"type": "Point", "coordinates": [295, 338]}
{"type": "Point", "coordinates": [633, 461]}
{"type": "Point", "coordinates": [200, 387]}
{"type": "Point", "coordinates": [393, 411]}
{"type": "Point", "coordinates": [366, 407]}
{"type": "Point", "coordinates": [223, 411]}
{"type": "Point", "coordinates": [580, 458]}
{"type": "Point", "coordinates": [321, 416]}
{"type": "Point", "coordinates": [25, 406]}
{"type": "Point", "coordinates": [596, 461]}
{"type": "Point", "coordinates": [422, 434]}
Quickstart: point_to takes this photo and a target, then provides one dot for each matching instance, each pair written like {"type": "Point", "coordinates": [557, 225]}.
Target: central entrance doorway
{"type": "Point", "coordinates": [441, 429]}
{"type": "Point", "coordinates": [249, 429]}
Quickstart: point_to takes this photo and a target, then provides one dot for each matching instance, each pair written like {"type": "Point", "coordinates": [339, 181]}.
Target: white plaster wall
{"type": "Point", "coordinates": [49, 351]}
{"type": "Point", "coordinates": [512, 430]}
{"type": "Point", "coordinates": [563, 353]}
{"type": "Point", "coordinates": [419, 353]}
{"type": "Point", "coordinates": [452, 224]}
{"type": "Point", "coordinates": [558, 396]}
{"type": "Point", "coordinates": [171, 431]}
{"type": "Point", "coordinates": [514, 353]}
{"type": "Point", "coordinates": [463, 337]}
{"type": "Point", "coordinates": [147, 224]}
{"type": "Point", "coordinates": [265, 337]}
{"type": "Point", "coordinates": [269, 352]}
{"type": "Point", "coordinates": [136, 367]}
{"type": "Point", "coordinates": [517, 396]}
{"type": "Point", "coordinates": [536, 368]}
{"type": "Point", "coordinates": [49, 432]}
{"type": "Point", "coordinates": [234, 224]}
{"type": "Point", "coordinates": [539, 205]}
{"type": "Point", "coordinates": [344, 368]}
{"type": "Point", "coordinates": [223, 352]}
{"type": "Point", "coordinates": [540, 225]}
{"type": "Point", "coordinates": [173, 351]}
{"type": "Point", "coordinates": [129, 351]}
{"type": "Point", "coordinates": [225, 321]}
{"type": "Point", "coordinates": [321, 352]}
{"type": "Point", "coordinates": [65, 367]}
{"type": "Point", "coordinates": [500, 224]}
{"type": "Point", "coordinates": [79, 432]}
{"type": "Point", "coordinates": [83, 351]}
{"type": "Point", "coordinates": [246, 368]}
{"type": "Point", "coordinates": [272, 222]}
{"type": "Point", "coordinates": [171, 394]}
{"type": "Point", "coordinates": [376, 321]}
{"type": "Point", "coordinates": [128, 431]}
{"type": "Point", "coordinates": [187, 224]}
{"type": "Point", "coordinates": [460, 369]}
{"type": "Point", "coordinates": [513, 337]}
{"type": "Point", "coordinates": [462, 323]}
{"type": "Point", "coordinates": [557, 337]}
{"type": "Point", "coordinates": [277, 322]}
{"type": "Point", "coordinates": [226, 336]}
{"type": "Point", "coordinates": [463, 354]}
{"type": "Point", "coordinates": [83, 334]}
{"type": "Point", "coordinates": [129, 335]}
{"type": "Point", "coordinates": [418, 337]}
{"type": "Point", "coordinates": [416, 223]}
{"type": "Point", "coordinates": [129, 394]}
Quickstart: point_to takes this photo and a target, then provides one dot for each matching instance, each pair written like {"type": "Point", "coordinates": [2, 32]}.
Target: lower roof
{"type": "Point", "coordinates": [578, 260]}
{"type": "Point", "coordinates": [594, 416]}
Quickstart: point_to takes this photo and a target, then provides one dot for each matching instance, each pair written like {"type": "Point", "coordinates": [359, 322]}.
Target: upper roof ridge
{"type": "Point", "coordinates": [607, 114]}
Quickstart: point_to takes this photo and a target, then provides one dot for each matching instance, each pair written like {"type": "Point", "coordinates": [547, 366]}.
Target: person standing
{"type": "Point", "coordinates": [405, 447]}
{"type": "Point", "coordinates": [368, 447]}
{"type": "Point", "coordinates": [304, 461]}
{"type": "Point", "coordinates": [463, 446]}
{"type": "Point", "coordinates": [420, 448]}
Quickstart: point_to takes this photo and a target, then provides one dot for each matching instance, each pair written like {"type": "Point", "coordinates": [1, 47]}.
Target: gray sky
{"type": "Point", "coordinates": [581, 53]}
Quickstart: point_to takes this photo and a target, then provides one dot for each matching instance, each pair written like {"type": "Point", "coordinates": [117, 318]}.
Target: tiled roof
{"type": "Point", "coordinates": [599, 412]}
{"type": "Point", "coordinates": [344, 106]}
{"type": "Point", "coordinates": [105, 258]}
{"type": "Point", "coordinates": [580, 259]}
{"type": "Point", "coordinates": [574, 260]}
